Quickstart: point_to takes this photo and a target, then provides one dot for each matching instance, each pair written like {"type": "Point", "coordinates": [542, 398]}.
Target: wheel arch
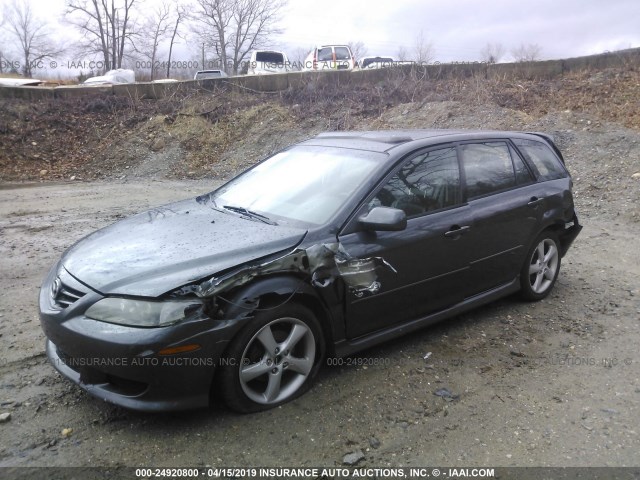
{"type": "Point", "coordinates": [273, 291]}
{"type": "Point", "coordinates": [558, 228]}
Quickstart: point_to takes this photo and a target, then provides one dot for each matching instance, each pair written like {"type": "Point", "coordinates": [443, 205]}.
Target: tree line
{"type": "Point", "coordinates": [120, 32]}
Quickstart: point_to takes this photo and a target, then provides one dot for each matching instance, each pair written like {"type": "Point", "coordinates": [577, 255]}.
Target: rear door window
{"type": "Point", "coordinates": [488, 168]}
{"type": "Point", "coordinates": [542, 158]}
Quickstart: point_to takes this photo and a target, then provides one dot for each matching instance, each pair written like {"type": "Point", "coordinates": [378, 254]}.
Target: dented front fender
{"type": "Point", "coordinates": [245, 300]}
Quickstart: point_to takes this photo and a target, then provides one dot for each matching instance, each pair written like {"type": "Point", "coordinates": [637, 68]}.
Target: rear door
{"type": "Point", "coordinates": [507, 209]}
{"type": "Point", "coordinates": [431, 256]}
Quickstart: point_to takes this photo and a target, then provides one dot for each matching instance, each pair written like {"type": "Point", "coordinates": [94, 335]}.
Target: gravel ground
{"type": "Point", "coordinates": [554, 383]}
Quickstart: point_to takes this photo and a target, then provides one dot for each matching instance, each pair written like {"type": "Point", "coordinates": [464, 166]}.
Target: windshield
{"type": "Point", "coordinates": [307, 184]}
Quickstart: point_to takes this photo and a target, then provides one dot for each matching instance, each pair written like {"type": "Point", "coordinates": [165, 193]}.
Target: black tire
{"type": "Point", "coordinates": [282, 371]}
{"type": "Point", "coordinates": [541, 267]}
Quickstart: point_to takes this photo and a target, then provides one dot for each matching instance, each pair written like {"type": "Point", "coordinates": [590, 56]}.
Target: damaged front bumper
{"type": "Point", "coordinates": [131, 366]}
{"type": "Point", "coordinates": [133, 373]}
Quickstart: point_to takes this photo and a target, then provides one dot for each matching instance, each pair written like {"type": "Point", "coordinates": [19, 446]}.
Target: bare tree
{"type": "Point", "coordinates": [157, 26]}
{"type": "Point", "coordinates": [423, 49]}
{"type": "Point", "coordinates": [179, 16]}
{"type": "Point", "coordinates": [298, 57]}
{"type": "Point", "coordinates": [234, 27]}
{"type": "Point", "coordinates": [527, 53]}
{"type": "Point", "coordinates": [32, 35]}
{"type": "Point", "coordinates": [359, 49]}
{"type": "Point", "coordinates": [2, 57]}
{"type": "Point", "coordinates": [492, 52]}
{"type": "Point", "coordinates": [107, 26]}
{"type": "Point", "coordinates": [161, 25]}
{"type": "Point", "coordinates": [402, 54]}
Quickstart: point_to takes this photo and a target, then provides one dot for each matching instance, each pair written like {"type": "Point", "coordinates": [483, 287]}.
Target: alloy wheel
{"type": "Point", "coordinates": [277, 360]}
{"type": "Point", "coordinates": [543, 266]}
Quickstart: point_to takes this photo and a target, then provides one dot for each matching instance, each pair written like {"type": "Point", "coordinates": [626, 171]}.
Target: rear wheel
{"type": "Point", "coordinates": [272, 360]}
{"type": "Point", "coordinates": [540, 270]}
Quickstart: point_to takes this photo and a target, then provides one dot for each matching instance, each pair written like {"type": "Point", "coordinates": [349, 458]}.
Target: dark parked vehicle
{"type": "Point", "coordinates": [326, 248]}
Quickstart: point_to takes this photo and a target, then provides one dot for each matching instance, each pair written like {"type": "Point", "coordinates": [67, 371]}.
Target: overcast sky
{"type": "Point", "coordinates": [457, 29]}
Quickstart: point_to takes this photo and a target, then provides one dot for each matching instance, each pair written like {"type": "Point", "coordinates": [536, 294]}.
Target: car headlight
{"type": "Point", "coordinates": [142, 313]}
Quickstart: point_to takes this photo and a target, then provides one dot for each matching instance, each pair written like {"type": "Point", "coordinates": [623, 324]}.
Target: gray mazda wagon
{"type": "Point", "coordinates": [326, 248]}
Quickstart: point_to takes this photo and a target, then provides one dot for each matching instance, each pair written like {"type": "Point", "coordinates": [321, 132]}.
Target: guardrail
{"type": "Point", "coordinates": [279, 82]}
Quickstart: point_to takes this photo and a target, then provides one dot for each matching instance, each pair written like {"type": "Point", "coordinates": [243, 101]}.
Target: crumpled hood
{"type": "Point", "coordinates": [164, 248]}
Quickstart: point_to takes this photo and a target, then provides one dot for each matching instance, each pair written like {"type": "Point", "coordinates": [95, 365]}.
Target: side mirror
{"type": "Point", "coordinates": [384, 219]}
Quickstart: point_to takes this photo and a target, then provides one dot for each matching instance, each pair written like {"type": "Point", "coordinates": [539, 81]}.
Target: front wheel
{"type": "Point", "coordinates": [540, 270]}
{"type": "Point", "coordinates": [273, 360]}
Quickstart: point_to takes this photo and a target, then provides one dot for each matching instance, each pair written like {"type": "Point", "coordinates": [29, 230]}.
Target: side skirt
{"type": "Point", "coordinates": [345, 348]}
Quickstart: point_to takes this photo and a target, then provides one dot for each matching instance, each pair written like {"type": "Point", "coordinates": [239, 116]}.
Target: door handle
{"type": "Point", "coordinates": [535, 201]}
{"type": "Point", "coordinates": [457, 230]}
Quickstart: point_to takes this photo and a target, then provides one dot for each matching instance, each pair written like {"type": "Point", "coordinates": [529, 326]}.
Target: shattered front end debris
{"type": "Point", "coordinates": [361, 276]}
{"type": "Point", "coordinates": [321, 263]}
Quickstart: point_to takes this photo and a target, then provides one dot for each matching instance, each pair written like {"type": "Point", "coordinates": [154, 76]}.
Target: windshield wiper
{"type": "Point", "coordinates": [250, 214]}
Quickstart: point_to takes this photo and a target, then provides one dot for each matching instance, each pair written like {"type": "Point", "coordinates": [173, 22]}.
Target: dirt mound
{"type": "Point", "coordinates": [215, 134]}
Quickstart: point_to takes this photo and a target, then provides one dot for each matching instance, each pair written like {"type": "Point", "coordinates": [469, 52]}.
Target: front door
{"type": "Point", "coordinates": [431, 256]}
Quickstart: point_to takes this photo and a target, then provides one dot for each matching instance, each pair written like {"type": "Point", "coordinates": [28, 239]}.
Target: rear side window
{"type": "Point", "coordinates": [542, 158]}
{"type": "Point", "coordinates": [342, 53]}
{"type": "Point", "coordinates": [488, 168]}
{"type": "Point", "coordinates": [523, 175]}
{"type": "Point", "coordinates": [269, 57]}
{"type": "Point", "coordinates": [325, 55]}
